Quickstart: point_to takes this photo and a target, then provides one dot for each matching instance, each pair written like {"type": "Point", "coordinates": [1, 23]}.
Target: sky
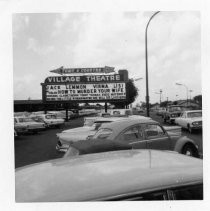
{"type": "Point", "coordinates": [46, 41]}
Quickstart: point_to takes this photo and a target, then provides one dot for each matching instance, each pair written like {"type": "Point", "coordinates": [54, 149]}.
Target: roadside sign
{"type": "Point", "coordinates": [85, 88]}
{"type": "Point", "coordinates": [61, 70]}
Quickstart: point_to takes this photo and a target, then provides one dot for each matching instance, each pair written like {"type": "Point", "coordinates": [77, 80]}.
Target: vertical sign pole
{"type": "Point", "coordinates": [105, 107]}
{"type": "Point", "coordinates": [67, 117]}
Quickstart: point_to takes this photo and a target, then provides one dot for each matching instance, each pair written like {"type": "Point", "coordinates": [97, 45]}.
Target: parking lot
{"type": "Point", "coordinates": [34, 148]}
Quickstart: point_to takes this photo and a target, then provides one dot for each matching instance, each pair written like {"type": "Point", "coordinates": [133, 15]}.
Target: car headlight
{"type": "Point", "coordinates": [195, 123]}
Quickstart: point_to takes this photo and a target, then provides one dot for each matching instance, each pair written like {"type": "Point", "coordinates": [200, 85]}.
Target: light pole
{"type": "Point", "coordinates": [160, 93]}
{"type": "Point", "coordinates": [190, 95]}
{"type": "Point", "coordinates": [146, 56]}
{"type": "Point", "coordinates": [186, 89]}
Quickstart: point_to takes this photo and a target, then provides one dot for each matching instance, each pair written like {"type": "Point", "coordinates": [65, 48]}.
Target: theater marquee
{"type": "Point", "coordinates": [86, 88]}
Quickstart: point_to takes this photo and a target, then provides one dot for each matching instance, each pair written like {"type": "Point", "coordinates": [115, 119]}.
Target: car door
{"type": "Point", "coordinates": [179, 119]}
{"type": "Point", "coordinates": [134, 136]}
{"type": "Point", "coordinates": [156, 137]}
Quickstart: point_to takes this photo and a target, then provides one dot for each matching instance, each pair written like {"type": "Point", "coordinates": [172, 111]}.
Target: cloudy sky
{"type": "Point", "coordinates": [45, 41]}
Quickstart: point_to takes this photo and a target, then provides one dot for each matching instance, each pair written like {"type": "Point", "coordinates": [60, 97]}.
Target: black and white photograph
{"type": "Point", "coordinates": [106, 106]}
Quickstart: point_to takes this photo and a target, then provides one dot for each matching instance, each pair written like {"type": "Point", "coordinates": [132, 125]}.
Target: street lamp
{"type": "Point", "coordinates": [186, 89]}
{"type": "Point", "coordinates": [160, 93]}
{"type": "Point", "coordinates": [137, 79]}
{"type": "Point", "coordinates": [146, 57]}
{"type": "Point", "coordinates": [190, 95]}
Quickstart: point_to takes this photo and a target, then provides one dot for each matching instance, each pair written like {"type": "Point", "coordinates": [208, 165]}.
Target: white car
{"type": "Point", "coordinates": [50, 120]}
{"type": "Point", "coordinates": [26, 124]}
{"type": "Point", "coordinates": [191, 120]}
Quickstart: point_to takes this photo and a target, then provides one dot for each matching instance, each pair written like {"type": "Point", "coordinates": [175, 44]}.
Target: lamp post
{"type": "Point", "coordinates": [160, 93]}
{"type": "Point", "coordinates": [190, 95]}
{"type": "Point", "coordinates": [146, 56]}
{"type": "Point", "coordinates": [186, 89]}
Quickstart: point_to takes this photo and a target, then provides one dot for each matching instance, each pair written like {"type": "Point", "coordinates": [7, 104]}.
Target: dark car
{"type": "Point", "coordinates": [172, 112]}
{"type": "Point", "coordinates": [147, 134]}
{"type": "Point", "coordinates": [95, 146]}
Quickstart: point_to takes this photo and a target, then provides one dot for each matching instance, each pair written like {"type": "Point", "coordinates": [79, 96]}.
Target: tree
{"type": "Point", "coordinates": [132, 94]}
{"type": "Point", "coordinates": [198, 99]}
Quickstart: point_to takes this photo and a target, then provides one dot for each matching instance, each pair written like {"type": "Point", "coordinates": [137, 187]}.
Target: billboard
{"type": "Point", "coordinates": [72, 92]}
{"type": "Point", "coordinates": [86, 88]}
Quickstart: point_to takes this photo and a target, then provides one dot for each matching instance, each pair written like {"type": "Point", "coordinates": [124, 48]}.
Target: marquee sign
{"type": "Point", "coordinates": [63, 70]}
{"type": "Point", "coordinates": [85, 79]}
{"type": "Point", "coordinates": [86, 88]}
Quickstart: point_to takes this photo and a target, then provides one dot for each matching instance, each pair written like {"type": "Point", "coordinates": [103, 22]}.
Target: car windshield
{"type": "Point", "coordinates": [26, 120]}
{"type": "Point", "coordinates": [102, 133]}
{"type": "Point", "coordinates": [98, 124]}
{"type": "Point", "coordinates": [194, 114]}
{"type": "Point", "coordinates": [171, 109]}
{"type": "Point", "coordinates": [50, 117]}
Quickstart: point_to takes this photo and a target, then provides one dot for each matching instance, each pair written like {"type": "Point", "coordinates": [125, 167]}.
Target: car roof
{"type": "Point", "coordinates": [109, 119]}
{"type": "Point", "coordinates": [117, 126]}
{"type": "Point", "coordinates": [192, 111]}
{"type": "Point", "coordinates": [102, 175]}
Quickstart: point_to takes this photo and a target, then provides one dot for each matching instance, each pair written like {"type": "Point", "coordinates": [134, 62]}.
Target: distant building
{"type": "Point", "coordinates": [155, 106]}
{"type": "Point", "coordinates": [189, 104]}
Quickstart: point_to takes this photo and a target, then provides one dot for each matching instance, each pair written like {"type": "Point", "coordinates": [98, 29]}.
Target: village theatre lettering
{"type": "Point", "coordinates": [86, 88]}
{"type": "Point", "coordinates": [106, 91]}
{"type": "Point", "coordinates": [89, 78]}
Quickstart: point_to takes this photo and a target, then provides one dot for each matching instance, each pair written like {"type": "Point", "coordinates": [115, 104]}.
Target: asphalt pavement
{"type": "Point", "coordinates": [35, 148]}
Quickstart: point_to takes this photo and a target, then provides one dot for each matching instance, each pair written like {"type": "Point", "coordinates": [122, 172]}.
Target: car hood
{"type": "Point", "coordinates": [54, 120]}
{"type": "Point", "coordinates": [76, 134]}
{"type": "Point", "coordinates": [31, 123]}
{"type": "Point", "coordinates": [195, 119]}
{"type": "Point", "coordinates": [94, 176]}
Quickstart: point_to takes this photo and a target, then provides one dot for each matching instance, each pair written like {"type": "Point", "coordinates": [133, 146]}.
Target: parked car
{"type": "Point", "coordinates": [26, 124]}
{"type": "Point", "coordinates": [80, 133]}
{"type": "Point", "coordinates": [172, 112]}
{"type": "Point", "coordinates": [161, 112]}
{"type": "Point", "coordinates": [191, 120]}
{"type": "Point", "coordinates": [91, 125]}
{"type": "Point", "coordinates": [127, 175]}
{"type": "Point", "coordinates": [147, 134]}
{"type": "Point", "coordinates": [20, 128]}
{"type": "Point", "coordinates": [50, 120]}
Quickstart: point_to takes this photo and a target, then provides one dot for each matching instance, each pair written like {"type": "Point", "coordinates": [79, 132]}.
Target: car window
{"type": "Point", "coordinates": [193, 192]}
{"type": "Point", "coordinates": [189, 193]}
{"type": "Point", "coordinates": [132, 134]}
{"type": "Point", "coordinates": [194, 114]}
{"type": "Point", "coordinates": [182, 115]}
{"type": "Point", "coordinates": [102, 133]}
{"type": "Point", "coordinates": [151, 196]}
{"type": "Point", "coordinates": [153, 130]}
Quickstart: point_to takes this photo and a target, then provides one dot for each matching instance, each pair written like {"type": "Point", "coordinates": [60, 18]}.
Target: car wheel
{"type": "Point", "coordinates": [190, 129]}
{"type": "Point", "coordinates": [164, 120]}
{"type": "Point", "coordinates": [190, 151]}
